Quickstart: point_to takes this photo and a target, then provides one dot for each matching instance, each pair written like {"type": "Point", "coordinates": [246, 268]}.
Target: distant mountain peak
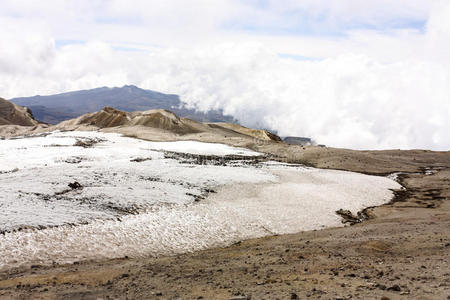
{"type": "Point", "coordinates": [131, 86]}
{"type": "Point", "coordinates": [60, 107]}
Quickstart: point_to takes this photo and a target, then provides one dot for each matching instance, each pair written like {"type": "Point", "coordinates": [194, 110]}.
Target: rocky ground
{"type": "Point", "coordinates": [401, 252]}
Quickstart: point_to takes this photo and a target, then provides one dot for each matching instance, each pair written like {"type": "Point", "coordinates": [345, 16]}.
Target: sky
{"type": "Point", "coordinates": [348, 73]}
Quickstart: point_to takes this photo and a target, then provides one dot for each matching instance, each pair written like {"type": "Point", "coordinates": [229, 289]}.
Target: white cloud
{"type": "Point", "coordinates": [348, 101]}
{"type": "Point", "coordinates": [374, 89]}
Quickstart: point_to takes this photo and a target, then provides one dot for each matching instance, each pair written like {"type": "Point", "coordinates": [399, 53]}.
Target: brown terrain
{"type": "Point", "coordinates": [400, 250]}
{"type": "Point", "coordinates": [12, 114]}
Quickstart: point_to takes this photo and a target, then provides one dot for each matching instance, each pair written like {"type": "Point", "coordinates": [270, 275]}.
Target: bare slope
{"type": "Point", "coordinates": [12, 114]}
{"type": "Point", "coordinates": [110, 117]}
{"type": "Point", "coordinates": [257, 133]}
{"type": "Point", "coordinates": [161, 124]}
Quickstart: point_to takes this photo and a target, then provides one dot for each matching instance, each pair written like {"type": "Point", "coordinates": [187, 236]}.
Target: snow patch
{"type": "Point", "coordinates": [135, 202]}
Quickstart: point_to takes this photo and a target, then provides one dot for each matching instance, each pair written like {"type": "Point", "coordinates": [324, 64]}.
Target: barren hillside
{"type": "Point", "coordinates": [12, 114]}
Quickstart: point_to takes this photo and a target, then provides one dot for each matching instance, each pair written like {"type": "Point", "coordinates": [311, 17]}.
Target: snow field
{"type": "Point", "coordinates": [148, 207]}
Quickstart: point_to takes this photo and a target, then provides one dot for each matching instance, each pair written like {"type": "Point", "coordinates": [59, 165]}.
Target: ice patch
{"type": "Point", "coordinates": [118, 175]}
{"type": "Point", "coordinates": [202, 148]}
{"type": "Point", "coordinates": [135, 202]}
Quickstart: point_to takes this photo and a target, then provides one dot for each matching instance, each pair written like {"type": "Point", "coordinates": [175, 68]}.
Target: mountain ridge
{"type": "Point", "coordinates": [164, 121]}
{"type": "Point", "coordinates": [56, 108]}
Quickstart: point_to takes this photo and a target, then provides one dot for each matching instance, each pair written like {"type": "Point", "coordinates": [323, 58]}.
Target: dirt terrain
{"type": "Point", "coordinates": [401, 252]}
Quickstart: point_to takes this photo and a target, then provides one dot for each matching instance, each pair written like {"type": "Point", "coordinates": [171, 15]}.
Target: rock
{"type": "Point", "coordinates": [394, 288]}
{"type": "Point", "coordinates": [140, 159]}
{"type": "Point", "coordinates": [348, 217]}
{"type": "Point", "coordinates": [294, 296]}
{"type": "Point", "coordinates": [75, 185]}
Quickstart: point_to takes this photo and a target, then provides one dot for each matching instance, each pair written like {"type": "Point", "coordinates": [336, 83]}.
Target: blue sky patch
{"type": "Point", "coordinates": [299, 57]}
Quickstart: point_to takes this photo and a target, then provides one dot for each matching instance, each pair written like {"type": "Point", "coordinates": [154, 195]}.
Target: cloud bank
{"type": "Point", "coordinates": [377, 91]}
